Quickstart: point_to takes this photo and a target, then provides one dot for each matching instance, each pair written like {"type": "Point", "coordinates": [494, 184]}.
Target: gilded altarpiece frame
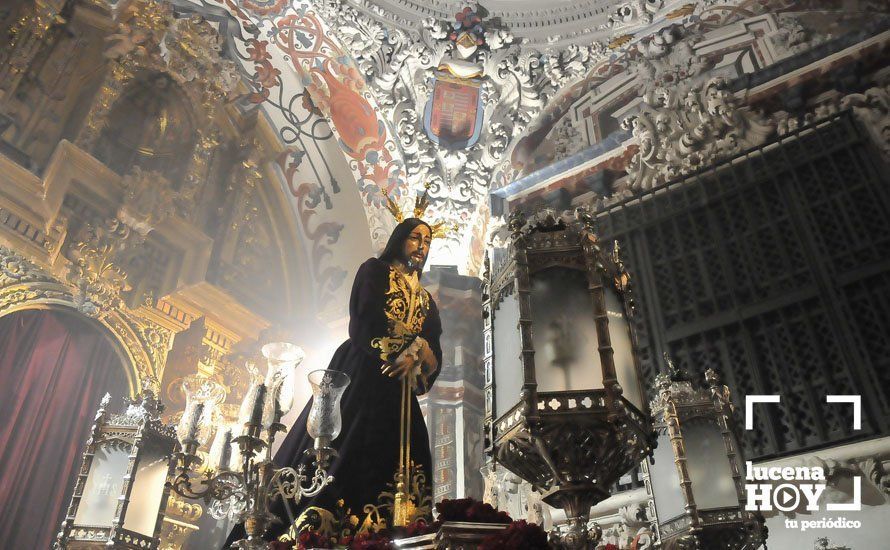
{"type": "Point", "coordinates": [24, 285]}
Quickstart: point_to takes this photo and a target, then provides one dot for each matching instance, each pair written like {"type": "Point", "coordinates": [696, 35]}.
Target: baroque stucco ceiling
{"type": "Point", "coordinates": [355, 76]}
{"type": "Point", "coordinates": [532, 22]}
{"type": "Point", "coordinates": [345, 84]}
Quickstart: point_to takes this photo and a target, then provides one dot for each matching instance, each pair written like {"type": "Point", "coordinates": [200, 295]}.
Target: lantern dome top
{"type": "Point", "coordinates": [547, 238]}
{"type": "Point", "coordinates": [546, 220]}
{"type": "Point", "coordinates": [676, 390]}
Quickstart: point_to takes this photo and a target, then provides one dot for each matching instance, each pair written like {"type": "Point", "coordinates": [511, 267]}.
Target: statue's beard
{"type": "Point", "coordinates": [412, 264]}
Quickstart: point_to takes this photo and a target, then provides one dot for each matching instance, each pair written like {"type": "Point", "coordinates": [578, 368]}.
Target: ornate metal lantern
{"type": "Point", "coordinates": [564, 405]}
{"type": "Point", "coordinates": [696, 475]}
{"type": "Point", "coordinates": [127, 455]}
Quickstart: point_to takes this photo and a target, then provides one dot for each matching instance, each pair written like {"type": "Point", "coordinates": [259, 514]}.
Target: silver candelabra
{"type": "Point", "coordinates": [241, 482]}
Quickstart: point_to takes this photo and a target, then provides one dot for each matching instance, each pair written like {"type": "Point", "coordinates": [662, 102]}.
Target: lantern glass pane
{"type": "Point", "coordinates": [669, 501]}
{"type": "Point", "coordinates": [148, 488]}
{"type": "Point", "coordinates": [712, 482]}
{"type": "Point", "coordinates": [564, 333]}
{"type": "Point", "coordinates": [622, 348]}
{"type": "Point", "coordinates": [508, 375]}
{"type": "Point", "coordinates": [98, 503]}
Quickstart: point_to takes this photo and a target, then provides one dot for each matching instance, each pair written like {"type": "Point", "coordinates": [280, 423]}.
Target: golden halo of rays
{"type": "Point", "coordinates": [421, 203]}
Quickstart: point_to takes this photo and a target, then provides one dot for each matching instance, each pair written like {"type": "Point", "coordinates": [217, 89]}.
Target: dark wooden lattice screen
{"type": "Point", "coordinates": [774, 269]}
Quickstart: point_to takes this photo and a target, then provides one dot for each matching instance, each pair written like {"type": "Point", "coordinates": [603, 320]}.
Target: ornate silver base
{"type": "Point", "coordinates": [576, 500]}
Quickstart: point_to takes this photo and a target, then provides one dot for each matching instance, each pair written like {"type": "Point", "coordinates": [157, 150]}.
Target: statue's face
{"type": "Point", "coordinates": [417, 246]}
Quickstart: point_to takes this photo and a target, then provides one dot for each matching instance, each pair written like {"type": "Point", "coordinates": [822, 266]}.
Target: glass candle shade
{"type": "Point", "coordinates": [324, 422]}
{"type": "Point", "coordinates": [202, 396]}
{"type": "Point", "coordinates": [222, 451]}
{"type": "Point", "coordinates": [282, 359]}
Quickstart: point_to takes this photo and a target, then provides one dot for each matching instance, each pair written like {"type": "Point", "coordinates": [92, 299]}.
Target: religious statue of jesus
{"type": "Point", "coordinates": [383, 470]}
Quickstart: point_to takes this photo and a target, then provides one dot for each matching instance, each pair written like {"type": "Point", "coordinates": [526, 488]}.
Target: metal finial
{"type": "Point", "coordinates": [671, 369]}
{"type": "Point", "coordinates": [712, 378]}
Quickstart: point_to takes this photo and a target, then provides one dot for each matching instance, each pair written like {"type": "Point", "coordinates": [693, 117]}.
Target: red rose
{"type": "Point", "coordinates": [311, 539]}
{"type": "Point", "coordinates": [520, 535]}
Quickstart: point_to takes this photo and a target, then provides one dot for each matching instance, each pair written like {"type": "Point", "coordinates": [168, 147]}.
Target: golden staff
{"type": "Point", "coordinates": [403, 508]}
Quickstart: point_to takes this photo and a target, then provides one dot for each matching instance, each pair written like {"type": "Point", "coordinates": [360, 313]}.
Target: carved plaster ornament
{"type": "Point", "coordinates": [189, 49]}
{"type": "Point", "coordinates": [633, 14]}
{"type": "Point", "coordinates": [140, 31]}
{"type": "Point", "coordinates": [660, 43]}
{"type": "Point", "coordinates": [644, 539]}
{"type": "Point", "coordinates": [490, 492]}
{"type": "Point", "coordinates": [877, 470]}
{"type": "Point", "coordinates": [791, 36]}
{"type": "Point", "coordinates": [536, 511]}
{"type": "Point", "coordinates": [468, 34]}
{"type": "Point", "coordinates": [192, 49]}
{"type": "Point", "coordinates": [871, 108]}
{"type": "Point", "coordinates": [15, 269]}
{"type": "Point", "coordinates": [149, 200]}
{"type": "Point", "coordinates": [567, 139]}
{"type": "Point", "coordinates": [95, 270]}
{"type": "Point", "coordinates": [677, 135]}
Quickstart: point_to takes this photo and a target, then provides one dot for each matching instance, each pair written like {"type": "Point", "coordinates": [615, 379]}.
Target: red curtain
{"type": "Point", "coordinates": [54, 369]}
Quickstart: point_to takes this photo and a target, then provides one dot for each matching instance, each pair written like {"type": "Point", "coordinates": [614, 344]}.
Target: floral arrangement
{"type": "Point", "coordinates": [379, 540]}
{"type": "Point", "coordinates": [471, 510]}
{"type": "Point", "coordinates": [518, 535]}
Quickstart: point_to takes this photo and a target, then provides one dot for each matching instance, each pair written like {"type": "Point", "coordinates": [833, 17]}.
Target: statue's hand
{"type": "Point", "coordinates": [426, 356]}
{"type": "Point", "coordinates": [404, 364]}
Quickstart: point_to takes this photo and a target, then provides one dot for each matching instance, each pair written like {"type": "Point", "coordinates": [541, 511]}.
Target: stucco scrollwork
{"type": "Point", "coordinates": [192, 50]}
{"type": "Point", "coordinates": [678, 134]}
{"type": "Point", "coordinates": [150, 38]}
{"type": "Point", "coordinates": [633, 14]}
{"type": "Point", "coordinates": [877, 470]}
{"type": "Point", "coordinates": [95, 271]}
{"type": "Point", "coordinates": [189, 49]}
{"type": "Point", "coordinates": [871, 108]}
{"type": "Point", "coordinates": [16, 269]}
{"type": "Point", "coordinates": [149, 200]}
{"type": "Point", "coordinates": [398, 61]}
{"type": "Point", "coordinates": [23, 283]}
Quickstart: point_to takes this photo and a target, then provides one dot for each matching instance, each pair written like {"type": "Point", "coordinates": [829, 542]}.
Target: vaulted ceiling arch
{"type": "Point", "coordinates": [336, 158]}
{"type": "Point", "coordinates": [359, 74]}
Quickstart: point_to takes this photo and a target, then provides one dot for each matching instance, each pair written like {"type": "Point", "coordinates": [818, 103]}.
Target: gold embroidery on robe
{"type": "Point", "coordinates": [406, 306]}
{"type": "Point", "coordinates": [335, 524]}
{"type": "Point", "coordinates": [341, 522]}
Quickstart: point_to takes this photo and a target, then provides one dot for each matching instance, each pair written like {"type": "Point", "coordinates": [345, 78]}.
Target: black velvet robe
{"type": "Point", "coordinates": [385, 318]}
